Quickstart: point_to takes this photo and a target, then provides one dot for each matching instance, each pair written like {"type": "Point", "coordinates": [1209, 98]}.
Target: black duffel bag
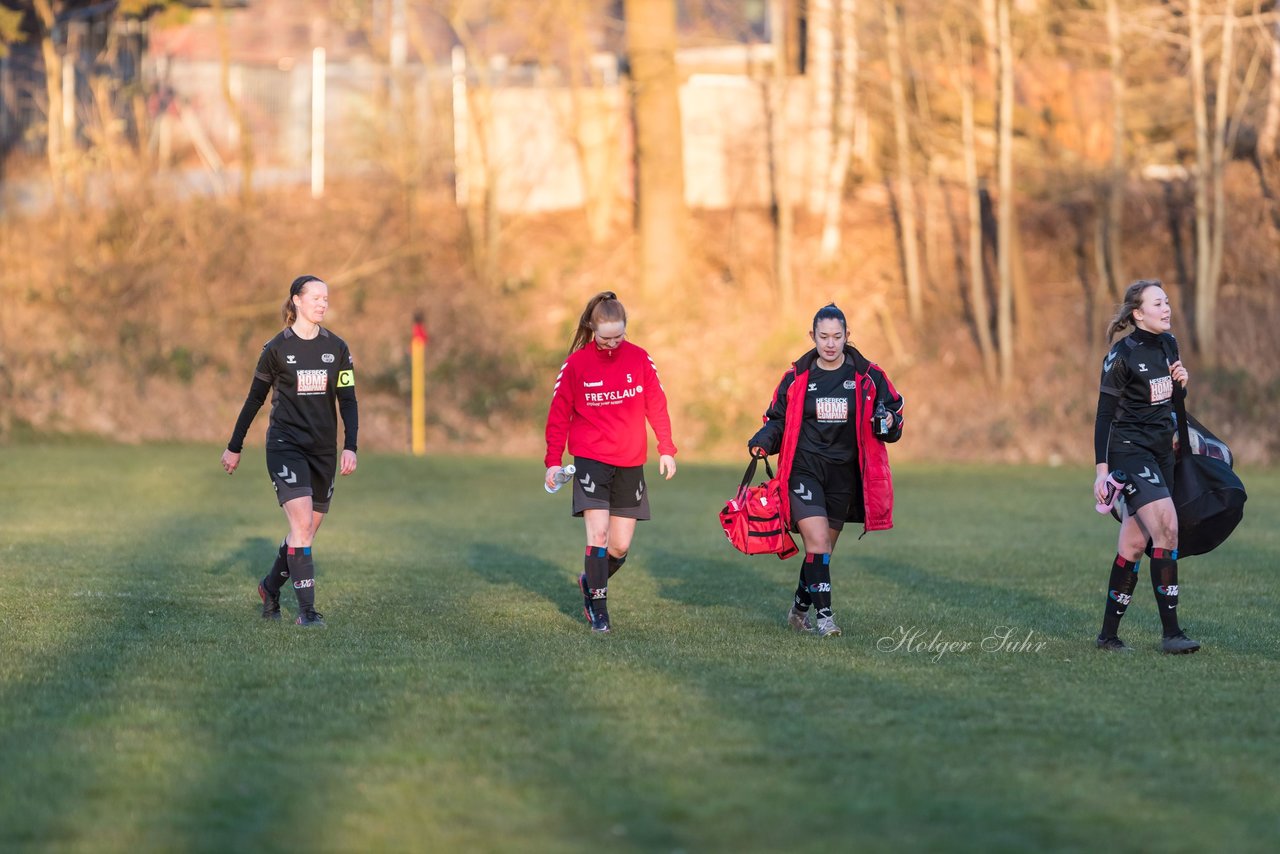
{"type": "Point", "coordinates": [1207, 493]}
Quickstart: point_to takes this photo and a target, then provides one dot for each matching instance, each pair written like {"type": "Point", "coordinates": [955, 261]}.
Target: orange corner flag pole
{"type": "Point", "coordinates": [418, 411]}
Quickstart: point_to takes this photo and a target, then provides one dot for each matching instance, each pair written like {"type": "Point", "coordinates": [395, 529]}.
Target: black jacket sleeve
{"type": "Point", "coordinates": [769, 436]}
{"type": "Point", "coordinates": [1107, 404]}
{"type": "Point", "coordinates": [257, 396]}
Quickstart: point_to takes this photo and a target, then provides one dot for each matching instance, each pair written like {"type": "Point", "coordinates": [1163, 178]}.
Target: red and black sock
{"type": "Point", "coordinates": [596, 564]}
{"type": "Point", "coordinates": [1124, 577]}
{"type": "Point", "coordinates": [303, 570]}
{"type": "Point", "coordinates": [1164, 580]}
{"type": "Point", "coordinates": [279, 570]}
{"type": "Point", "coordinates": [817, 571]}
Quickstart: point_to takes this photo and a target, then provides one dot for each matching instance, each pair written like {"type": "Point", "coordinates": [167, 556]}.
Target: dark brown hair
{"type": "Point", "coordinates": [289, 311]}
{"type": "Point", "coordinates": [1132, 300]}
{"type": "Point", "coordinates": [830, 312]}
{"type": "Point", "coordinates": [601, 308]}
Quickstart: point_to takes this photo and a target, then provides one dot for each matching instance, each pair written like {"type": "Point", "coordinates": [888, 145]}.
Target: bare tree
{"type": "Point", "coordinates": [1112, 224]}
{"type": "Point", "coordinates": [1004, 308]}
{"type": "Point", "coordinates": [779, 179]}
{"type": "Point", "coordinates": [243, 134]}
{"type": "Point", "coordinates": [905, 190]}
{"type": "Point", "coordinates": [820, 68]}
{"type": "Point", "coordinates": [55, 144]}
{"type": "Point", "coordinates": [977, 277]}
{"type": "Point", "coordinates": [846, 109]}
{"type": "Point", "coordinates": [655, 80]}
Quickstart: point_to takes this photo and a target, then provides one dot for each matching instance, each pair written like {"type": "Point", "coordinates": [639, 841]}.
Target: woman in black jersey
{"type": "Point", "coordinates": [308, 369]}
{"type": "Point", "coordinates": [1133, 434]}
{"type": "Point", "coordinates": [830, 439]}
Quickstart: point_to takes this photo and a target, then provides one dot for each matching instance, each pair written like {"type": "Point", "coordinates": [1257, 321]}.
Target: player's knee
{"type": "Point", "coordinates": [618, 553]}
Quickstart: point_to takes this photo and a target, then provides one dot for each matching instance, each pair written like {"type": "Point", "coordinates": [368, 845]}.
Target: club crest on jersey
{"type": "Point", "coordinates": [327, 358]}
{"type": "Point", "coordinates": [1161, 389]}
{"type": "Point", "coordinates": [849, 384]}
{"type": "Point", "coordinates": [313, 382]}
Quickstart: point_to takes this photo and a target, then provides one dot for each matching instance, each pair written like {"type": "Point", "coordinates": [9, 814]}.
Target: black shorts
{"type": "Point", "coordinates": [1150, 474]}
{"type": "Point", "coordinates": [820, 487]}
{"type": "Point", "coordinates": [295, 473]}
{"type": "Point", "coordinates": [619, 489]}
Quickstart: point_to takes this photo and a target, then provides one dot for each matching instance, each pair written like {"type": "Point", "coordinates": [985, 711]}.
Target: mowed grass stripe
{"type": "Point", "coordinates": [457, 698]}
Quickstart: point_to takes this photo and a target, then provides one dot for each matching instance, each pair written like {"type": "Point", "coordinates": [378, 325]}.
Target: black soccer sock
{"type": "Point", "coordinates": [1124, 577]}
{"type": "Point", "coordinates": [303, 570]}
{"type": "Point", "coordinates": [817, 571]}
{"type": "Point", "coordinates": [803, 599]}
{"type": "Point", "coordinates": [1164, 580]}
{"type": "Point", "coordinates": [615, 564]}
{"type": "Point", "coordinates": [597, 566]}
{"type": "Point", "coordinates": [279, 570]}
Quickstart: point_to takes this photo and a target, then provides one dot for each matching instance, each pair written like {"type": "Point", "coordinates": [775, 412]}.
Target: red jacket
{"type": "Point", "coordinates": [781, 431]}
{"type": "Point", "coordinates": [600, 403]}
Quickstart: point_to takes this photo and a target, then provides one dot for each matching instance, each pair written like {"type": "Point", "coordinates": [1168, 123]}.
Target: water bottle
{"type": "Point", "coordinates": [881, 420]}
{"type": "Point", "coordinates": [1116, 483]}
{"type": "Point", "coordinates": [561, 478]}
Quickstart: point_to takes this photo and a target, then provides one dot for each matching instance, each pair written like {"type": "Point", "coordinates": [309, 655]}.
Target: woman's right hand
{"type": "Point", "coordinates": [230, 461]}
{"type": "Point", "coordinates": [1100, 484]}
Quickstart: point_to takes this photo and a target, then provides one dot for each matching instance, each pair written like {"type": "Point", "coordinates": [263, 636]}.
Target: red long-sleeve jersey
{"type": "Point", "coordinates": [600, 403]}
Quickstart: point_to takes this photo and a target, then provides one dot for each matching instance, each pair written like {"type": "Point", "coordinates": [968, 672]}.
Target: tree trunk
{"type": "Point", "coordinates": [54, 142]}
{"type": "Point", "coordinates": [779, 179]}
{"type": "Point", "coordinates": [846, 109]}
{"type": "Point", "coordinates": [820, 68]}
{"type": "Point", "coordinates": [1113, 226]}
{"type": "Point", "coordinates": [651, 45]}
{"type": "Point", "coordinates": [243, 134]}
{"type": "Point", "coordinates": [1004, 320]}
{"type": "Point", "coordinates": [1271, 124]}
{"type": "Point", "coordinates": [1207, 292]}
{"type": "Point", "coordinates": [977, 279]}
{"type": "Point", "coordinates": [906, 195]}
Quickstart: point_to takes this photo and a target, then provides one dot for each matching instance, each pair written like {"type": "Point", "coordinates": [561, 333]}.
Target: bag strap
{"type": "Point", "coordinates": [1179, 406]}
{"type": "Point", "coordinates": [751, 471]}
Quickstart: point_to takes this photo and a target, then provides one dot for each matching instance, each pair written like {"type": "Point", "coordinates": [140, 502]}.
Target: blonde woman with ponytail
{"type": "Point", "coordinates": [1133, 445]}
{"type": "Point", "coordinates": [311, 372]}
{"type": "Point", "coordinates": [606, 390]}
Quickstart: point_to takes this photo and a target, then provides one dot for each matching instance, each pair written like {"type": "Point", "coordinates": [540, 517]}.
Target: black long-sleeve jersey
{"type": "Point", "coordinates": [1135, 396]}
{"type": "Point", "coordinates": [828, 429]}
{"type": "Point", "coordinates": [307, 378]}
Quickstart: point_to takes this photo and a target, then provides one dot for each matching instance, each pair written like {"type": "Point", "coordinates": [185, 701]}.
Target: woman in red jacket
{"type": "Point", "coordinates": [830, 440]}
{"type": "Point", "coordinates": [605, 391]}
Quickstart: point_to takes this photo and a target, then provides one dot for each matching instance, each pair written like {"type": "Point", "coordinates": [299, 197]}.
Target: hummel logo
{"type": "Point", "coordinates": [1148, 475]}
{"type": "Point", "coordinates": [813, 386]}
{"type": "Point", "coordinates": [587, 486]}
{"type": "Point", "coordinates": [291, 360]}
{"type": "Point", "coordinates": [1111, 360]}
{"type": "Point", "coordinates": [1142, 367]}
{"type": "Point", "coordinates": [804, 493]}
{"type": "Point", "coordinates": [286, 475]}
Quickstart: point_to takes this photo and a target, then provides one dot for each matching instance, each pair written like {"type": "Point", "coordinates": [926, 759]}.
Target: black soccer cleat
{"type": "Point", "coordinates": [1113, 644]}
{"type": "Point", "coordinates": [310, 619]}
{"type": "Point", "coordinates": [586, 597]}
{"type": "Point", "coordinates": [270, 604]}
{"type": "Point", "coordinates": [600, 620]}
{"type": "Point", "coordinates": [1179, 644]}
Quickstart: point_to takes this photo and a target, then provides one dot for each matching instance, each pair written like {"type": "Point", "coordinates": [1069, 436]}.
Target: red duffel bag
{"type": "Point", "coordinates": [752, 519]}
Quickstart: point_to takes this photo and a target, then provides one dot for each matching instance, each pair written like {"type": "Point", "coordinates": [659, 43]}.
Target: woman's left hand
{"type": "Point", "coordinates": [667, 466]}
{"type": "Point", "coordinates": [348, 464]}
{"type": "Point", "coordinates": [1179, 373]}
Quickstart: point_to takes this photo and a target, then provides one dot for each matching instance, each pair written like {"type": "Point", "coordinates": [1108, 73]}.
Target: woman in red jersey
{"type": "Point", "coordinates": [606, 389]}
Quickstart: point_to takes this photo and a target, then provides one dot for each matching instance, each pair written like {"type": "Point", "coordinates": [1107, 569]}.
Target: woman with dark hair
{"type": "Point", "coordinates": [309, 370]}
{"type": "Point", "coordinates": [605, 391]}
{"type": "Point", "coordinates": [829, 420]}
{"type": "Point", "coordinates": [1133, 433]}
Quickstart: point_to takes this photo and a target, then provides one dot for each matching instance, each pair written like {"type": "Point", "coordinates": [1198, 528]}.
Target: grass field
{"type": "Point", "coordinates": [457, 700]}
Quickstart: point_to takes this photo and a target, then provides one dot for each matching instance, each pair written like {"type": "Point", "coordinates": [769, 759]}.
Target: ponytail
{"type": "Point", "coordinates": [1132, 300]}
{"type": "Point", "coordinates": [289, 311]}
{"type": "Point", "coordinates": [601, 308]}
